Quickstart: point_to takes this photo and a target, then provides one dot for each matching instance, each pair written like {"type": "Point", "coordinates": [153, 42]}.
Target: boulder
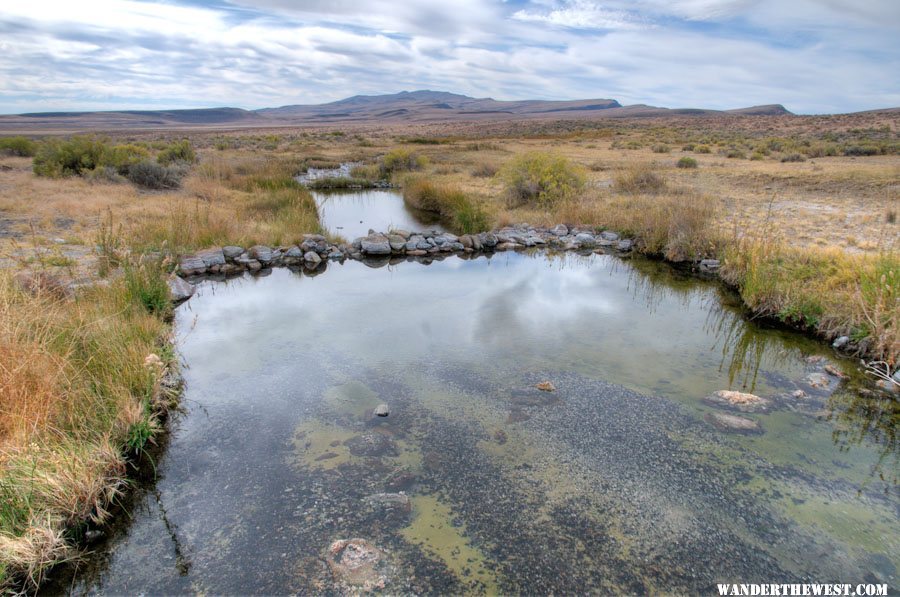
{"type": "Point", "coordinates": [180, 290]}
{"type": "Point", "coordinates": [466, 241]}
{"type": "Point", "coordinates": [375, 244]}
{"type": "Point", "coordinates": [733, 423]}
{"type": "Point", "coordinates": [262, 254]}
{"type": "Point", "coordinates": [609, 235]}
{"type": "Point", "coordinates": [840, 342]}
{"type": "Point", "coordinates": [191, 265]}
{"type": "Point", "coordinates": [232, 252]}
{"type": "Point", "coordinates": [488, 239]}
{"type": "Point", "coordinates": [559, 230]}
{"type": "Point", "coordinates": [739, 401]}
{"type": "Point", "coordinates": [709, 265]}
{"type": "Point", "coordinates": [397, 242]}
{"type": "Point", "coordinates": [357, 563]}
{"type": "Point", "coordinates": [404, 233]}
{"type": "Point", "coordinates": [211, 257]}
{"type": "Point", "coordinates": [312, 258]}
{"type": "Point", "coordinates": [625, 245]}
{"type": "Point", "coordinates": [585, 239]}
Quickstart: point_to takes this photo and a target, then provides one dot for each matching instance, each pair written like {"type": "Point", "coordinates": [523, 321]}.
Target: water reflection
{"type": "Point", "coordinates": [351, 214]}
{"type": "Point", "coordinates": [613, 483]}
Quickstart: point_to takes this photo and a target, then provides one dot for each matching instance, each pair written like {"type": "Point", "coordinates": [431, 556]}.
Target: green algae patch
{"type": "Point", "coordinates": [432, 529]}
{"type": "Point", "coordinates": [320, 446]}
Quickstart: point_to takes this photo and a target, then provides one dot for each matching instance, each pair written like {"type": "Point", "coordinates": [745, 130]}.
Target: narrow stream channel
{"type": "Point", "coordinates": [478, 482]}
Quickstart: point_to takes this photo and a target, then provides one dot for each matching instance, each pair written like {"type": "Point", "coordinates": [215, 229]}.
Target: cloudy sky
{"type": "Point", "coordinates": [813, 56]}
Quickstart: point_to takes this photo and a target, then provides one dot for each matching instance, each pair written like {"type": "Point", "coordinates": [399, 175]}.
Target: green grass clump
{"type": "Point", "coordinates": [177, 152]}
{"type": "Point", "coordinates": [686, 162]}
{"type": "Point", "coordinates": [459, 211]}
{"type": "Point", "coordinates": [401, 160]}
{"type": "Point", "coordinates": [340, 182]}
{"type": "Point", "coordinates": [541, 179]}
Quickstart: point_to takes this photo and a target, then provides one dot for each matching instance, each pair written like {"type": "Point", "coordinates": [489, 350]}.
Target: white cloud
{"type": "Point", "coordinates": [811, 55]}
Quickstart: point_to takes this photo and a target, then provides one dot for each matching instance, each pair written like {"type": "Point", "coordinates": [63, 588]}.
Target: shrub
{"type": "Point", "coordinates": [820, 150]}
{"type": "Point", "coordinates": [639, 179]}
{"type": "Point", "coordinates": [179, 151]}
{"type": "Point", "coordinates": [485, 170]}
{"type": "Point", "coordinates": [455, 207]}
{"type": "Point", "coordinates": [686, 162]}
{"type": "Point", "coordinates": [794, 157]}
{"type": "Point", "coordinates": [757, 156]}
{"type": "Point", "coordinates": [861, 150]}
{"type": "Point", "coordinates": [122, 157]}
{"type": "Point", "coordinates": [151, 175]}
{"type": "Point", "coordinates": [365, 172]}
{"type": "Point", "coordinates": [688, 147]}
{"type": "Point", "coordinates": [541, 178]}
{"type": "Point", "coordinates": [735, 153]}
{"type": "Point", "coordinates": [703, 149]}
{"type": "Point", "coordinates": [661, 148]}
{"type": "Point", "coordinates": [57, 157]}
{"type": "Point", "coordinates": [401, 160]}
{"type": "Point", "coordinates": [20, 146]}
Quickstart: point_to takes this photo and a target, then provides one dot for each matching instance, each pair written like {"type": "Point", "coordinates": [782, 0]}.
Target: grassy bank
{"type": "Point", "coordinates": [81, 379]}
{"type": "Point", "coordinates": [457, 210]}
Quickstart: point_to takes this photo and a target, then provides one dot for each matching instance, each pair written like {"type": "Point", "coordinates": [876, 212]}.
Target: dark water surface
{"type": "Point", "coordinates": [613, 483]}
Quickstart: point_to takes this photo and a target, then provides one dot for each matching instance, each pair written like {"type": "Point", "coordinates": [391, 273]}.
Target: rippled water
{"type": "Point", "coordinates": [613, 483]}
{"type": "Point", "coordinates": [351, 214]}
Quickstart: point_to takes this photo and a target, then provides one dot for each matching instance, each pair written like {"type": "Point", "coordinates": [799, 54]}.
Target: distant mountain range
{"type": "Point", "coordinates": [407, 106]}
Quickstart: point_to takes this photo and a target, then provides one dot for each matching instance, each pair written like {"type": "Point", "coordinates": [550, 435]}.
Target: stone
{"type": "Point", "coordinates": [840, 342]}
{"type": "Point", "coordinates": [397, 242]}
{"type": "Point", "coordinates": [585, 239]}
{"type": "Point", "coordinates": [191, 265]}
{"type": "Point", "coordinates": [545, 386]}
{"type": "Point", "coordinates": [733, 423]}
{"type": "Point", "coordinates": [211, 257]}
{"type": "Point", "coordinates": [262, 254]}
{"type": "Point", "coordinates": [476, 243]}
{"type": "Point", "coordinates": [625, 245]}
{"type": "Point", "coordinates": [832, 370]}
{"type": "Point", "coordinates": [709, 265]}
{"type": "Point", "coordinates": [466, 241]}
{"type": "Point", "coordinates": [818, 381]}
{"type": "Point", "coordinates": [508, 246]}
{"type": "Point", "coordinates": [389, 501]}
{"type": "Point", "coordinates": [357, 563]}
{"type": "Point", "coordinates": [232, 252]}
{"type": "Point", "coordinates": [739, 401]}
{"type": "Point", "coordinates": [609, 235]}
{"type": "Point", "coordinates": [382, 410]}
{"type": "Point", "coordinates": [253, 265]}
{"type": "Point", "coordinates": [488, 239]}
{"type": "Point", "coordinates": [294, 252]}
{"type": "Point", "coordinates": [375, 244]}
{"type": "Point", "coordinates": [560, 230]}
{"type": "Point", "coordinates": [405, 234]}
{"type": "Point", "coordinates": [312, 258]}
{"type": "Point", "coordinates": [180, 290]}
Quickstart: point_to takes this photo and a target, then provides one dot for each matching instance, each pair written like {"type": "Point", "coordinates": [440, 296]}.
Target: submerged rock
{"type": "Point", "coordinates": [546, 386]}
{"type": "Point", "coordinates": [740, 401]}
{"type": "Point", "coordinates": [357, 563]}
{"type": "Point", "coordinates": [382, 410]}
{"type": "Point", "coordinates": [733, 423]}
{"type": "Point", "coordinates": [389, 501]}
{"type": "Point", "coordinates": [372, 444]}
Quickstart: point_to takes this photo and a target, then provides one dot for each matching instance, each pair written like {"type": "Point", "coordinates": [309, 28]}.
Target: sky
{"type": "Point", "coordinates": [812, 56]}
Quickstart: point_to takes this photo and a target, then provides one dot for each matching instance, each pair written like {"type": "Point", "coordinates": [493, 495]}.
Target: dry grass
{"type": "Point", "coordinates": [76, 393]}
